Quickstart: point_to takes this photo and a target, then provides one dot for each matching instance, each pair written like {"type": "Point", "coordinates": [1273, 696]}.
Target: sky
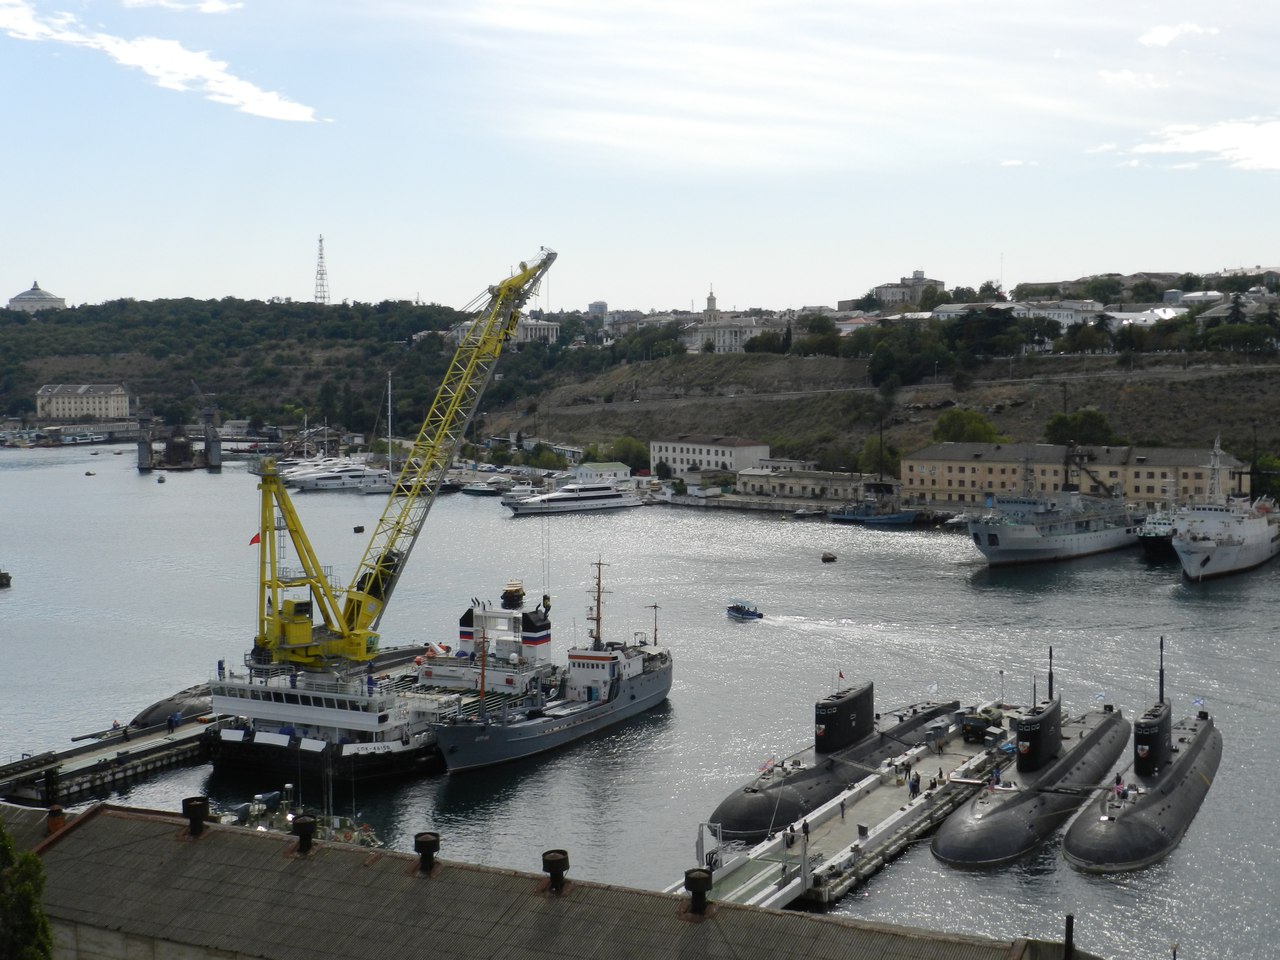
{"type": "Point", "coordinates": [784, 153]}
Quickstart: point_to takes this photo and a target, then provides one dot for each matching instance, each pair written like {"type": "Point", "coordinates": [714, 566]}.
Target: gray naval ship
{"type": "Point", "coordinates": [1059, 763]}
{"type": "Point", "coordinates": [603, 684]}
{"type": "Point", "coordinates": [850, 741]}
{"type": "Point", "coordinates": [1135, 823]}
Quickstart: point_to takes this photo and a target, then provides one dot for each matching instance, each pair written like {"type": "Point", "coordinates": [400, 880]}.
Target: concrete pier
{"type": "Point", "coordinates": [104, 762]}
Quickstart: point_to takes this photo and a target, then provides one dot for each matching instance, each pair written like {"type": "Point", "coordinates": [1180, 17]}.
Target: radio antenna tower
{"type": "Point", "coordinates": [322, 277]}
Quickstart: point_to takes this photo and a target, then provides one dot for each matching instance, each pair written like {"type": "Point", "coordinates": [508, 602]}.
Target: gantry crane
{"type": "Point", "coordinates": [288, 633]}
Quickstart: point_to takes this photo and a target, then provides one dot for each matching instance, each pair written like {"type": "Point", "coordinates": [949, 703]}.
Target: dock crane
{"type": "Point", "coordinates": [288, 635]}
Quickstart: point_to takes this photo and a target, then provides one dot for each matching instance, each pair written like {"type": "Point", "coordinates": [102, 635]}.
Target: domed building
{"type": "Point", "coordinates": [36, 299]}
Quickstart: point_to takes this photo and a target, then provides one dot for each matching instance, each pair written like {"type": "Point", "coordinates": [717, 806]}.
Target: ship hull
{"type": "Point", "coordinates": [472, 745]}
{"type": "Point", "coordinates": [1204, 559]}
{"type": "Point", "coordinates": [788, 793]}
{"type": "Point", "coordinates": [1114, 835]}
{"type": "Point", "coordinates": [1015, 545]}
{"type": "Point", "coordinates": [1006, 822]}
{"type": "Point", "coordinates": [319, 761]}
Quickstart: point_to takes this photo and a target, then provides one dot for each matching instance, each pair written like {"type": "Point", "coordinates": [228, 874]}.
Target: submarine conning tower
{"type": "Point", "coordinates": [844, 718]}
{"type": "Point", "coordinates": [1153, 740]}
{"type": "Point", "coordinates": [1039, 735]}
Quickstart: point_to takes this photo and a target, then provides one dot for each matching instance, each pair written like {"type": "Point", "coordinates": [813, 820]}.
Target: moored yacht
{"type": "Point", "coordinates": [574, 497]}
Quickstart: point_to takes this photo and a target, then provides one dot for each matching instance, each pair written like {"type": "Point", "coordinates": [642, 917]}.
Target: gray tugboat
{"type": "Point", "coordinates": [1133, 824]}
{"type": "Point", "coordinates": [849, 742]}
{"type": "Point", "coordinates": [1059, 763]}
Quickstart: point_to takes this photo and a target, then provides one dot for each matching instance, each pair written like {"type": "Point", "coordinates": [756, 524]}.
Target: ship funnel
{"type": "Point", "coordinates": [555, 863]}
{"type": "Point", "coordinates": [426, 845]}
{"type": "Point", "coordinates": [304, 828]}
{"type": "Point", "coordinates": [698, 882]}
{"type": "Point", "coordinates": [195, 809]}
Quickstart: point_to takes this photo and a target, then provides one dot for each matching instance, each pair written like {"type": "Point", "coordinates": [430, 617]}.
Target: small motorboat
{"type": "Point", "coordinates": [828, 557]}
{"type": "Point", "coordinates": [743, 610]}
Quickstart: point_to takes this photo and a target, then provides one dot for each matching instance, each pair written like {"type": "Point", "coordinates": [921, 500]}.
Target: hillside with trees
{"type": "Point", "coordinates": [809, 393]}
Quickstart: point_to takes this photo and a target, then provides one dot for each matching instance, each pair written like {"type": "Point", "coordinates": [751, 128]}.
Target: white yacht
{"type": "Point", "coordinates": [576, 497]}
{"type": "Point", "coordinates": [350, 477]}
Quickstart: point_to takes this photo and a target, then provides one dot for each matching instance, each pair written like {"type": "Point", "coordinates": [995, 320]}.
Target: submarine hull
{"type": "Point", "coordinates": [787, 792]}
{"type": "Point", "coordinates": [1129, 831]}
{"type": "Point", "coordinates": [1001, 824]}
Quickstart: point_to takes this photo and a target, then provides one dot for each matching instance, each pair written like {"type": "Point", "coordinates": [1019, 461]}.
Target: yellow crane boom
{"type": "Point", "coordinates": [287, 632]}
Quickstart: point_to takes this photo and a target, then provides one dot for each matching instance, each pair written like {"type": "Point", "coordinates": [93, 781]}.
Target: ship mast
{"type": "Point", "coordinates": [594, 612]}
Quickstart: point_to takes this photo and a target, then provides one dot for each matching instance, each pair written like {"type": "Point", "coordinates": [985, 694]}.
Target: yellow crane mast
{"type": "Point", "coordinates": [288, 634]}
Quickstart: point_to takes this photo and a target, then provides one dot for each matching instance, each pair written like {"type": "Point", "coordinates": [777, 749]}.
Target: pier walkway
{"type": "Point", "coordinates": [852, 836]}
{"type": "Point", "coordinates": [104, 761]}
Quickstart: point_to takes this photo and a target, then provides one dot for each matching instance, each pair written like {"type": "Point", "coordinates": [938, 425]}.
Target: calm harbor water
{"type": "Point", "coordinates": [126, 590]}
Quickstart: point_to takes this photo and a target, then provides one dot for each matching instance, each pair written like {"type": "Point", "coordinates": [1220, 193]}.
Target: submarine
{"type": "Point", "coordinates": [848, 744]}
{"type": "Point", "coordinates": [1134, 824]}
{"type": "Point", "coordinates": [1059, 763]}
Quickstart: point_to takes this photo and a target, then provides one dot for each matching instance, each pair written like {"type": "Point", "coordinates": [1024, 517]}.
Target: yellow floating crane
{"type": "Point", "coordinates": [288, 632]}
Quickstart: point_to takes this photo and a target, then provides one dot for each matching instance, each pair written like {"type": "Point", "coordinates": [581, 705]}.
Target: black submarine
{"type": "Point", "coordinates": [1059, 763]}
{"type": "Point", "coordinates": [847, 746]}
{"type": "Point", "coordinates": [1134, 824]}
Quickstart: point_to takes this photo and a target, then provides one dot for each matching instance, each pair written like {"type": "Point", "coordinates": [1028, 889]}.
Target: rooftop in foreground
{"type": "Point", "coordinates": [118, 878]}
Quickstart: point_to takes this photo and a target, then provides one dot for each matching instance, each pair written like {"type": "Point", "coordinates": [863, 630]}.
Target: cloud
{"type": "Point", "coordinates": [200, 6]}
{"type": "Point", "coordinates": [1164, 35]}
{"type": "Point", "coordinates": [1129, 80]}
{"type": "Point", "coordinates": [1251, 144]}
{"type": "Point", "coordinates": [167, 62]}
{"type": "Point", "coordinates": [1102, 148]}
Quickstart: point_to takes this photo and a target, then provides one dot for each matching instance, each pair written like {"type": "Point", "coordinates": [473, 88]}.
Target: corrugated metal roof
{"type": "Point", "coordinates": [249, 893]}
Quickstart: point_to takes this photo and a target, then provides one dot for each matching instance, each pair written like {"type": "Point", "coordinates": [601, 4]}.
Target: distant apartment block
{"type": "Point", "coordinates": [597, 308]}
{"type": "Point", "coordinates": [687, 453]}
{"type": "Point", "coordinates": [73, 401]}
{"type": "Point", "coordinates": [964, 474]}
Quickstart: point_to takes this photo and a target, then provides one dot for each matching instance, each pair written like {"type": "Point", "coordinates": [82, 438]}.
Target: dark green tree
{"type": "Point", "coordinates": [931, 297]}
{"type": "Point", "coordinates": [1145, 291]}
{"type": "Point", "coordinates": [1104, 289]}
{"type": "Point", "coordinates": [1235, 313]}
{"type": "Point", "coordinates": [769, 341]}
{"type": "Point", "coordinates": [990, 291]}
{"type": "Point", "coordinates": [24, 929]}
{"type": "Point", "coordinates": [960, 425]}
{"type": "Point", "coordinates": [1081, 427]}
